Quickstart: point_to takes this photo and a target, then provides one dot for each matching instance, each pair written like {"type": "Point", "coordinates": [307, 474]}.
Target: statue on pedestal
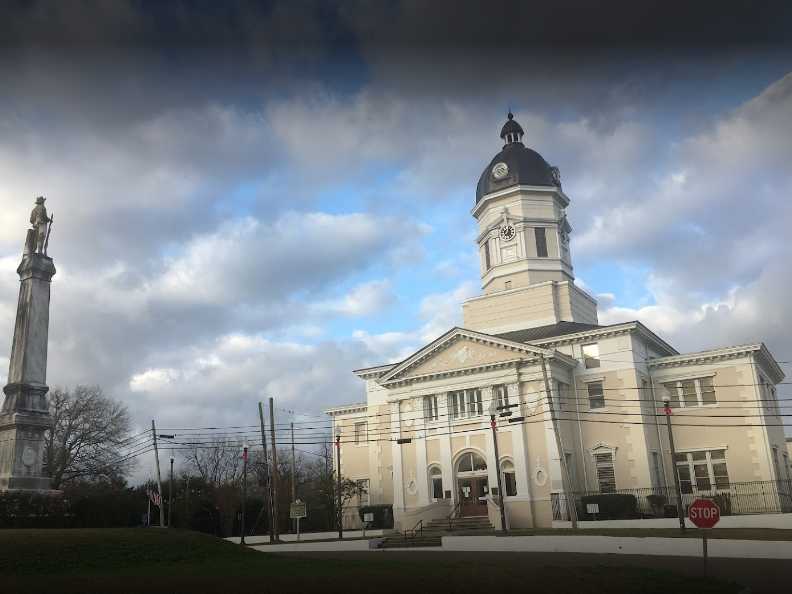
{"type": "Point", "coordinates": [38, 235]}
{"type": "Point", "coordinates": [24, 414]}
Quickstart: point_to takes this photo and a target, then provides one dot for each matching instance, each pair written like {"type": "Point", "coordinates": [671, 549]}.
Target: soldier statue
{"type": "Point", "coordinates": [41, 223]}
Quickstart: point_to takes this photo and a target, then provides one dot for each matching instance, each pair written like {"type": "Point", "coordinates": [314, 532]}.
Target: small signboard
{"type": "Point", "coordinates": [592, 508]}
{"type": "Point", "coordinates": [297, 510]}
{"type": "Point", "coordinates": [368, 517]}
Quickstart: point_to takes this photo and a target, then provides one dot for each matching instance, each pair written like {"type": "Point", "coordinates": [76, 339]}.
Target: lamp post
{"type": "Point", "coordinates": [244, 490]}
{"type": "Point", "coordinates": [338, 486]}
{"type": "Point", "coordinates": [667, 410]}
{"type": "Point", "coordinates": [170, 494]}
{"type": "Point", "coordinates": [493, 411]}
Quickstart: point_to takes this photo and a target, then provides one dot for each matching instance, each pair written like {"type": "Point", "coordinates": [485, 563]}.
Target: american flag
{"type": "Point", "coordinates": [154, 496]}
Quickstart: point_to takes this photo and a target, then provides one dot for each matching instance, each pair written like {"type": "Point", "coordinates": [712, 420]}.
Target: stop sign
{"type": "Point", "coordinates": [704, 513]}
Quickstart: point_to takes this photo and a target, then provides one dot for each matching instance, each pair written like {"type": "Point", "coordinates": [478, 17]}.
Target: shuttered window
{"type": "Point", "coordinates": [606, 474]}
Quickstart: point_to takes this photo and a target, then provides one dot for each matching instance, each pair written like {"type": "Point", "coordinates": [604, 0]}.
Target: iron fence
{"type": "Point", "coordinates": [735, 499]}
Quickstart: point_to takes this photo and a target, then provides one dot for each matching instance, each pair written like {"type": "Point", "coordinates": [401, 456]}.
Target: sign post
{"type": "Point", "coordinates": [704, 513]}
{"type": "Point", "coordinates": [297, 511]}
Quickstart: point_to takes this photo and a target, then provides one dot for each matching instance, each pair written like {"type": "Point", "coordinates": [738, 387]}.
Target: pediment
{"type": "Point", "coordinates": [459, 350]}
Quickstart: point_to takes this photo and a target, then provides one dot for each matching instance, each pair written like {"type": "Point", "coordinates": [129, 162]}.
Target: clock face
{"type": "Point", "coordinates": [500, 170]}
{"type": "Point", "coordinates": [507, 232]}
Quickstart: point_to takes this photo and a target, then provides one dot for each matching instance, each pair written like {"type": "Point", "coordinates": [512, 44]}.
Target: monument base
{"type": "Point", "coordinates": [22, 451]}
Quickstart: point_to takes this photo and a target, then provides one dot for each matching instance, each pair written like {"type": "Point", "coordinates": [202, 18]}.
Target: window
{"type": "Point", "coordinates": [596, 395]}
{"type": "Point", "coordinates": [570, 464]}
{"type": "Point", "coordinates": [470, 462]}
{"type": "Point", "coordinates": [700, 470]}
{"type": "Point", "coordinates": [541, 242]}
{"type": "Point", "coordinates": [657, 475]}
{"type": "Point", "coordinates": [465, 403]}
{"type": "Point", "coordinates": [606, 474]}
{"type": "Point", "coordinates": [776, 467]}
{"type": "Point", "coordinates": [509, 478]}
{"type": "Point", "coordinates": [430, 408]}
{"type": "Point", "coordinates": [363, 491]}
{"type": "Point", "coordinates": [360, 432]}
{"type": "Point", "coordinates": [487, 261]}
{"type": "Point", "coordinates": [690, 393]}
{"type": "Point", "coordinates": [436, 482]}
{"type": "Point", "coordinates": [501, 396]}
{"type": "Point", "coordinates": [507, 285]}
{"type": "Point", "coordinates": [564, 392]}
{"type": "Point", "coordinates": [591, 355]}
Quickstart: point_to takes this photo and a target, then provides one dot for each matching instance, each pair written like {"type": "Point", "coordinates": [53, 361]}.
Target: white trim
{"type": "Point", "coordinates": [486, 198]}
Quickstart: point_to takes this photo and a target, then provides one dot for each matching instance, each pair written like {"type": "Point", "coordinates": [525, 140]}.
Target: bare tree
{"type": "Point", "coordinates": [218, 463]}
{"type": "Point", "coordinates": [87, 437]}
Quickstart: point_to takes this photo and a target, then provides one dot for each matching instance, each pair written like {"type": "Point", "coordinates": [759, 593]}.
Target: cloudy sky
{"type": "Point", "coordinates": [253, 200]}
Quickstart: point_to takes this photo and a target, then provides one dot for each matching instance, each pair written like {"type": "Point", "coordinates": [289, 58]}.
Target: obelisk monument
{"type": "Point", "coordinates": [24, 416]}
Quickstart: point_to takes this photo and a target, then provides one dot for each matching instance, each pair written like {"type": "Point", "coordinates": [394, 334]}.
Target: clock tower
{"type": "Point", "coordinates": [523, 241]}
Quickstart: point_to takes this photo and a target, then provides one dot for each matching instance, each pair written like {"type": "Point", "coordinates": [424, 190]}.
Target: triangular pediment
{"type": "Point", "coordinates": [460, 349]}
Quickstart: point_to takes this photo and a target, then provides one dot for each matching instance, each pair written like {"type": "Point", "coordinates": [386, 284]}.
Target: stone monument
{"type": "Point", "coordinates": [24, 416]}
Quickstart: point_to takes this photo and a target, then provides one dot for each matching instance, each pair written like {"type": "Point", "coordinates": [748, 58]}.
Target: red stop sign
{"type": "Point", "coordinates": [704, 513]}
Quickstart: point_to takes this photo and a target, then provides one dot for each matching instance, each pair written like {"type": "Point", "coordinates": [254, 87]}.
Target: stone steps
{"type": "Point", "coordinates": [463, 523]}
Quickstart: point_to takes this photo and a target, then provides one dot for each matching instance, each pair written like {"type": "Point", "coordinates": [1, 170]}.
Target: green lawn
{"type": "Point", "coordinates": [153, 561]}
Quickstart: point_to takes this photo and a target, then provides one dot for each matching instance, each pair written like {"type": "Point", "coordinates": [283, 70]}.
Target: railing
{"type": "Point", "coordinates": [452, 516]}
{"type": "Point", "coordinates": [414, 531]}
{"type": "Point", "coordinates": [743, 498]}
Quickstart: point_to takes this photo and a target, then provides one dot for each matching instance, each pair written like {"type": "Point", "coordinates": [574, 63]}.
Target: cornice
{"type": "Point", "coordinates": [553, 190]}
{"type": "Point", "coordinates": [389, 379]}
{"type": "Point", "coordinates": [606, 331]}
{"type": "Point", "coordinates": [346, 409]}
{"type": "Point", "coordinates": [374, 372]}
{"type": "Point", "coordinates": [758, 350]}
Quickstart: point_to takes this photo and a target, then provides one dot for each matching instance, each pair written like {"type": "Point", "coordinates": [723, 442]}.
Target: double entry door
{"type": "Point", "coordinates": [473, 496]}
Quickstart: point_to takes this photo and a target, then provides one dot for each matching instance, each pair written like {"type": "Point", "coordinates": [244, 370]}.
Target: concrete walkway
{"type": "Point", "coordinates": [264, 538]}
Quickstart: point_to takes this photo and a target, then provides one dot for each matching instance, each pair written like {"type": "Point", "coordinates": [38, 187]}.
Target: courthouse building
{"type": "Point", "coordinates": [423, 442]}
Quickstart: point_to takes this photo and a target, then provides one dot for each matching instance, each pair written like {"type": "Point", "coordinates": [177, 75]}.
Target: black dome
{"type": "Point", "coordinates": [524, 166]}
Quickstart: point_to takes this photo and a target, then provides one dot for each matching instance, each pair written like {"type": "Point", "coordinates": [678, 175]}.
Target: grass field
{"type": "Point", "coordinates": [153, 561]}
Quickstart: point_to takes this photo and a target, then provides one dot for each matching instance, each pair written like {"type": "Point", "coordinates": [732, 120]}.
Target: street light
{"type": "Point", "coordinates": [667, 410]}
{"type": "Point", "coordinates": [338, 480]}
{"type": "Point", "coordinates": [493, 411]}
{"type": "Point", "coordinates": [244, 489]}
{"type": "Point", "coordinates": [170, 494]}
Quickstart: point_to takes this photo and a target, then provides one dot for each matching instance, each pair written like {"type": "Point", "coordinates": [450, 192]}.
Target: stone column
{"type": "Point", "coordinates": [24, 416]}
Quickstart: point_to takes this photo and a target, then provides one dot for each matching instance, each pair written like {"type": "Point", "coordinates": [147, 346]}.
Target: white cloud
{"type": "Point", "coordinates": [365, 299]}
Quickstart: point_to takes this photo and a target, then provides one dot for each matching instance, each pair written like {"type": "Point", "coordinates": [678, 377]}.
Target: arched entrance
{"type": "Point", "coordinates": [472, 484]}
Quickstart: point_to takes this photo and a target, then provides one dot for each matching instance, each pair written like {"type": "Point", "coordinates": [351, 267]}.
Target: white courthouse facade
{"type": "Point", "coordinates": [423, 441]}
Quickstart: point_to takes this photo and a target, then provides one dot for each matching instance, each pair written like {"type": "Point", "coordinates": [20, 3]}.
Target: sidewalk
{"type": "Point", "coordinates": [308, 536]}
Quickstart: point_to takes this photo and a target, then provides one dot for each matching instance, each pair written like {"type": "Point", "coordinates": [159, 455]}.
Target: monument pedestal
{"type": "Point", "coordinates": [25, 417]}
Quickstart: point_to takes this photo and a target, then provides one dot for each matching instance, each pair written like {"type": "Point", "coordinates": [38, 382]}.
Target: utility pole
{"type": "Point", "coordinates": [293, 469]}
{"type": "Point", "coordinates": [566, 483]}
{"type": "Point", "coordinates": [274, 471]}
{"type": "Point", "coordinates": [340, 511]}
{"type": "Point", "coordinates": [159, 478]}
{"type": "Point", "coordinates": [244, 491]}
{"type": "Point", "coordinates": [267, 478]}
{"type": "Point", "coordinates": [170, 494]}
{"type": "Point", "coordinates": [493, 410]}
{"type": "Point", "coordinates": [680, 514]}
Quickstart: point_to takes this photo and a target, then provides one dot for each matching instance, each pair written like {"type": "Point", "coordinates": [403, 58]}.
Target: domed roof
{"type": "Point", "coordinates": [523, 166]}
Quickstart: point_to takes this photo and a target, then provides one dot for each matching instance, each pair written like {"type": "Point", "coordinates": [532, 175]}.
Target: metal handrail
{"type": "Point", "coordinates": [453, 513]}
{"type": "Point", "coordinates": [415, 530]}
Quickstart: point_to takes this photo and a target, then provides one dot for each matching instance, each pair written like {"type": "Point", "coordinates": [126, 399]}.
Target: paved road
{"type": "Point", "coordinates": [765, 576]}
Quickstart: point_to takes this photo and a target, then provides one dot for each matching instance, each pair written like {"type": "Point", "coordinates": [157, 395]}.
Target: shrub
{"type": "Point", "coordinates": [612, 506]}
{"type": "Point", "coordinates": [383, 515]}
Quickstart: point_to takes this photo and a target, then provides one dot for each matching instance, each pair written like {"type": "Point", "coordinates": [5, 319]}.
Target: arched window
{"type": "Point", "coordinates": [471, 462]}
{"type": "Point", "coordinates": [436, 482]}
{"type": "Point", "coordinates": [509, 478]}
